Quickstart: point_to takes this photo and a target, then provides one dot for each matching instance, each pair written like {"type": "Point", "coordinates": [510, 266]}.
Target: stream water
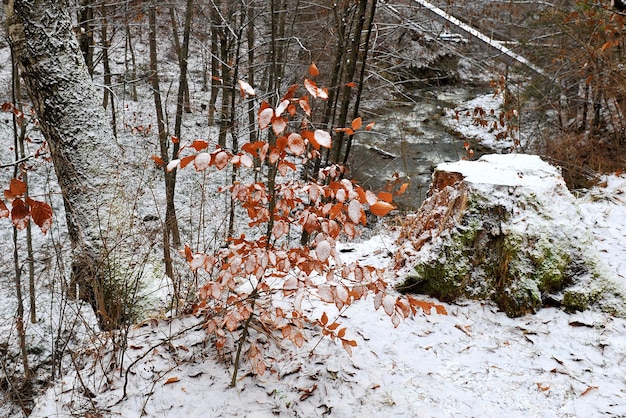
{"type": "Point", "coordinates": [409, 139]}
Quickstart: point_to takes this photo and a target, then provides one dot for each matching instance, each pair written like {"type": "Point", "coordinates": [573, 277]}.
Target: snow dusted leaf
{"type": "Point", "coordinates": [371, 198]}
{"type": "Point", "coordinates": [173, 165]}
{"type": "Point", "coordinates": [260, 367]}
{"type": "Point", "coordinates": [381, 208]}
{"type": "Point", "coordinates": [322, 138]}
{"type": "Point", "coordinates": [265, 117]}
{"type": "Point", "coordinates": [296, 144]}
{"type": "Point", "coordinates": [323, 250]}
{"type": "Point", "coordinates": [347, 346]}
{"type": "Point", "coordinates": [325, 293]}
{"type": "Point", "coordinates": [282, 106]}
{"type": "Point", "coordinates": [354, 211]}
{"type": "Point", "coordinates": [315, 91]}
{"type": "Point", "coordinates": [171, 380]}
{"type": "Point", "coordinates": [202, 161]}
{"type": "Point", "coordinates": [298, 340]}
{"type": "Point", "coordinates": [19, 213]}
{"type": "Point", "coordinates": [246, 161]}
{"type": "Point", "coordinates": [197, 261]}
{"type": "Point", "coordinates": [342, 293]}
{"type": "Point", "coordinates": [313, 70]}
{"type": "Point", "coordinates": [395, 319]}
{"type": "Point", "coordinates": [41, 212]}
{"type": "Point", "coordinates": [221, 160]}
{"type": "Point", "coordinates": [246, 88]}
{"type": "Point", "coordinates": [370, 126]}
{"type": "Point", "coordinates": [279, 125]}
{"type": "Point", "coordinates": [4, 211]}
{"type": "Point", "coordinates": [389, 304]}
{"type": "Point", "coordinates": [304, 105]}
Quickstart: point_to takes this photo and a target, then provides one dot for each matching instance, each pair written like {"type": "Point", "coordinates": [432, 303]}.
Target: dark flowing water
{"type": "Point", "coordinates": [409, 139]}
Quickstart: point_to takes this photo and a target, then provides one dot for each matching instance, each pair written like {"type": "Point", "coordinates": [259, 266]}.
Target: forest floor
{"type": "Point", "coordinates": [475, 361]}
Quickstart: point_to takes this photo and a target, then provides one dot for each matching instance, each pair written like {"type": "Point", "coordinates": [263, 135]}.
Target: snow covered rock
{"type": "Point", "coordinates": [503, 228]}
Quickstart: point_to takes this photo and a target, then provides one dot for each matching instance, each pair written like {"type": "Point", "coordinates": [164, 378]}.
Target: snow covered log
{"type": "Point", "coordinates": [503, 228]}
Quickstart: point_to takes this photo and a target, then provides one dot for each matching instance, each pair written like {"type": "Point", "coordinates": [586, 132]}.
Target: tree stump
{"type": "Point", "coordinates": [502, 228]}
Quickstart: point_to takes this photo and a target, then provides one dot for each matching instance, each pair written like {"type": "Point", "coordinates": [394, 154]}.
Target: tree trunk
{"type": "Point", "coordinates": [85, 34]}
{"type": "Point", "coordinates": [84, 152]}
{"type": "Point", "coordinates": [170, 179]}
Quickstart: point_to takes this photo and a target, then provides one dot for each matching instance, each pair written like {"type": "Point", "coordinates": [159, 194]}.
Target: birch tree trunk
{"type": "Point", "coordinates": [83, 148]}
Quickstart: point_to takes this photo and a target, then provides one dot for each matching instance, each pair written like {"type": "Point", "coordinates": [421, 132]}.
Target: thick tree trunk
{"type": "Point", "coordinates": [85, 155]}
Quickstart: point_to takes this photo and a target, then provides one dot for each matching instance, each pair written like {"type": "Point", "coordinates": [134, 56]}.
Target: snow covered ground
{"type": "Point", "coordinates": [473, 362]}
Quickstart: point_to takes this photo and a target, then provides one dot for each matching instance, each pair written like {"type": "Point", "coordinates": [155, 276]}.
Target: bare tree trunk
{"type": "Point", "coordinates": [170, 211]}
{"type": "Point", "coordinates": [19, 317]}
{"type": "Point", "coordinates": [129, 48]}
{"type": "Point", "coordinates": [85, 34]}
{"type": "Point", "coordinates": [76, 128]}
{"type": "Point", "coordinates": [346, 90]}
{"type": "Point", "coordinates": [215, 64]}
{"type": "Point", "coordinates": [357, 102]}
{"type": "Point", "coordinates": [108, 94]}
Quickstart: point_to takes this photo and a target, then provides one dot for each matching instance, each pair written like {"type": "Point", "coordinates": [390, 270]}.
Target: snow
{"type": "Point", "coordinates": [506, 170]}
{"type": "Point", "coordinates": [475, 361]}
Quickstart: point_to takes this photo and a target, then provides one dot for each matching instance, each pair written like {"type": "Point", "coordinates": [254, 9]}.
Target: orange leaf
{"type": "Point", "coordinates": [370, 126]}
{"type": "Point", "coordinates": [186, 160]}
{"type": "Point", "coordinates": [171, 380]}
{"type": "Point", "coordinates": [385, 197]}
{"type": "Point", "coordinates": [19, 213]}
{"type": "Point", "coordinates": [158, 161]}
{"type": "Point", "coordinates": [313, 71]}
{"type": "Point", "coordinates": [175, 140]}
{"type": "Point", "coordinates": [41, 212]}
{"type": "Point", "coordinates": [17, 187]}
{"type": "Point", "coordinates": [381, 208]}
{"type": "Point", "coordinates": [402, 189]}
{"type": "Point", "coordinates": [199, 144]}
{"type": "Point", "coordinates": [4, 211]}
{"type": "Point", "coordinates": [350, 84]}
{"type": "Point", "coordinates": [324, 319]}
{"type": "Point", "coordinates": [188, 254]}
{"type": "Point", "coordinates": [356, 123]}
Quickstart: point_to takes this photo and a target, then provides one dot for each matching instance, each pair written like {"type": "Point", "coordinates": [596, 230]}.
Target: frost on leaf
{"type": "Point", "coordinates": [315, 91]}
{"type": "Point", "coordinates": [322, 138]}
{"type": "Point", "coordinates": [354, 211]}
{"type": "Point", "coordinates": [221, 160]}
{"type": "Point", "coordinates": [265, 117]}
{"type": "Point", "coordinates": [323, 250]}
{"type": "Point", "coordinates": [246, 88]}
